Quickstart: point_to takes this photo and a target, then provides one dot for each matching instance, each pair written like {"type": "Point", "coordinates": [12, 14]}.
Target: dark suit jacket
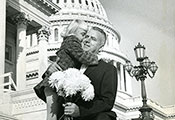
{"type": "Point", "coordinates": [104, 79]}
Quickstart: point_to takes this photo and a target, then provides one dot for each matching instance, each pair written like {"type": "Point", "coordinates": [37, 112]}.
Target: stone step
{"type": "Point", "coordinates": [7, 117]}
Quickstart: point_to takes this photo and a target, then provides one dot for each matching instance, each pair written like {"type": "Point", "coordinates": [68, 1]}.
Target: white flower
{"type": "Point", "coordinates": [88, 94]}
{"type": "Point", "coordinates": [56, 80]}
{"type": "Point", "coordinates": [70, 82]}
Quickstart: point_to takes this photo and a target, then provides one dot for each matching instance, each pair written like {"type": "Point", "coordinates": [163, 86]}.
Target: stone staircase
{"type": "Point", "coordinates": [19, 104]}
{"type": "Point", "coordinates": [5, 97]}
{"type": "Point", "coordinates": [6, 117]}
{"type": "Point", "coordinates": [6, 108]}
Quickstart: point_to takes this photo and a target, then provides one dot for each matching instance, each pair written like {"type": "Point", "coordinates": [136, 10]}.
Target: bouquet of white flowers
{"type": "Point", "coordinates": [70, 82]}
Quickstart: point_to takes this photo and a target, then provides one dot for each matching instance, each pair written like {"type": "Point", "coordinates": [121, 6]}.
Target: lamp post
{"type": "Point", "coordinates": [140, 72]}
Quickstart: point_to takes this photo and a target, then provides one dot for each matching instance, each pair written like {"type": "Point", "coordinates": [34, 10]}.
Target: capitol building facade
{"type": "Point", "coordinates": [30, 37]}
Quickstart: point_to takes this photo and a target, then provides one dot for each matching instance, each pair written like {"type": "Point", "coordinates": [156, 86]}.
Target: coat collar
{"type": "Point", "coordinates": [91, 68]}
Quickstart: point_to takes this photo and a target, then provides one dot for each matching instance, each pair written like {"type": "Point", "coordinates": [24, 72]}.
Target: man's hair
{"type": "Point", "coordinates": [102, 32]}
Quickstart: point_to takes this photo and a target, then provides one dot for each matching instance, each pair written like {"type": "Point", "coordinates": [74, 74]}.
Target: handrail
{"type": "Point", "coordinates": [9, 84]}
{"type": "Point", "coordinates": [6, 74]}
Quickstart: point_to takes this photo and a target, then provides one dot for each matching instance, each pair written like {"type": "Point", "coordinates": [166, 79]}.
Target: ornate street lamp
{"type": "Point", "coordinates": [140, 72]}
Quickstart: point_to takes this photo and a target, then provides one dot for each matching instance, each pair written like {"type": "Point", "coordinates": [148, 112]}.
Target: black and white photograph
{"type": "Point", "coordinates": [87, 59]}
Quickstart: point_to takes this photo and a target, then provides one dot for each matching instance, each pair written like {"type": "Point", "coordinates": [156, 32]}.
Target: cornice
{"type": "Point", "coordinates": [21, 7]}
{"type": "Point", "coordinates": [45, 5]}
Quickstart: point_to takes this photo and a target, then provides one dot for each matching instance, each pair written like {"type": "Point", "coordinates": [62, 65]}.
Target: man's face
{"type": "Point", "coordinates": [93, 41]}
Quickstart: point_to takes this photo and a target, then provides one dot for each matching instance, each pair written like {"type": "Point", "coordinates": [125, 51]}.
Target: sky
{"type": "Point", "coordinates": [152, 23]}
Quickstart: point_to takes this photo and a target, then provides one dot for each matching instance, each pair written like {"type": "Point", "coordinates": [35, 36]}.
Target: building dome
{"type": "Point", "coordinates": [88, 6]}
{"type": "Point", "coordinates": [94, 14]}
{"type": "Point", "coordinates": [89, 10]}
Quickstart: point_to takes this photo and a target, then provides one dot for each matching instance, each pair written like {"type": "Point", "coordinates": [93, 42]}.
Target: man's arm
{"type": "Point", "coordinates": [105, 101]}
{"type": "Point", "coordinates": [74, 48]}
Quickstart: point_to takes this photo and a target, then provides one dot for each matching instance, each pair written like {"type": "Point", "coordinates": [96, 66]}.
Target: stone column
{"type": "Point", "coordinates": [122, 78]}
{"type": "Point", "coordinates": [118, 74]}
{"type": "Point", "coordinates": [128, 83]}
{"type": "Point", "coordinates": [43, 37]}
{"type": "Point", "coordinates": [22, 20]}
{"type": "Point", "coordinates": [2, 42]}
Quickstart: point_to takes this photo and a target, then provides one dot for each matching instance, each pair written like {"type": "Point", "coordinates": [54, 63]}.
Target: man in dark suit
{"type": "Point", "coordinates": [104, 79]}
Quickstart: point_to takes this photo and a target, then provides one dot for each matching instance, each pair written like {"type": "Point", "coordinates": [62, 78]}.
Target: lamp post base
{"type": "Point", "coordinates": [146, 113]}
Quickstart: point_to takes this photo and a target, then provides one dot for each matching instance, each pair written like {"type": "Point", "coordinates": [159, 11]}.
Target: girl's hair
{"type": "Point", "coordinates": [73, 26]}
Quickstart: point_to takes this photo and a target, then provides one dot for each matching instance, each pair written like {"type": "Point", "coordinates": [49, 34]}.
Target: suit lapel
{"type": "Point", "coordinates": [89, 70]}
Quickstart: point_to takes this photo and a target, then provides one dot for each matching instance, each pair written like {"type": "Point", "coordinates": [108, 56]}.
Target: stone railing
{"type": "Point", "coordinates": [9, 85]}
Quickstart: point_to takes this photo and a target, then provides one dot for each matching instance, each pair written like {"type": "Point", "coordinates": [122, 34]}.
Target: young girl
{"type": "Point", "coordinates": [70, 55]}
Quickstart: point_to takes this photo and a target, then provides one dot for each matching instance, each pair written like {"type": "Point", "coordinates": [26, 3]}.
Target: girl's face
{"type": "Point", "coordinates": [80, 33]}
{"type": "Point", "coordinates": [81, 30]}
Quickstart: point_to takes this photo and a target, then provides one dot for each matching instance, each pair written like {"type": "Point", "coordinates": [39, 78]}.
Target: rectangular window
{"type": "Point", "coordinates": [8, 52]}
{"type": "Point", "coordinates": [56, 34]}
{"type": "Point", "coordinates": [119, 76]}
{"type": "Point", "coordinates": [31, 40]}
{"type": "Point", "coordinates": [124, 78]}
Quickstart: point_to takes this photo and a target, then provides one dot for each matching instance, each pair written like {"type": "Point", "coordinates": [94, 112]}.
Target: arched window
{"type": "Point", "coordinates": [97, 7]}
{"type": "Point", "coordinates": [56, 34]}
{"type": "Point", "coordinates": [57, 1]}
{"type": "Point", "coordinates": [73, 1]}
{"type": "Point", "coordinates": [80, 1]}
{"type": "Point", "coordinates": [86, 2]}
{"type": "Point", "coordinates": [65, 1]}
{"type": "Point", "coordinates": [92, 4]}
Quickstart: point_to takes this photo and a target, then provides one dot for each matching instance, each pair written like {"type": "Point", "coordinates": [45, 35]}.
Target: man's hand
{"type": "Point", "coordinates": [71, 109]}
